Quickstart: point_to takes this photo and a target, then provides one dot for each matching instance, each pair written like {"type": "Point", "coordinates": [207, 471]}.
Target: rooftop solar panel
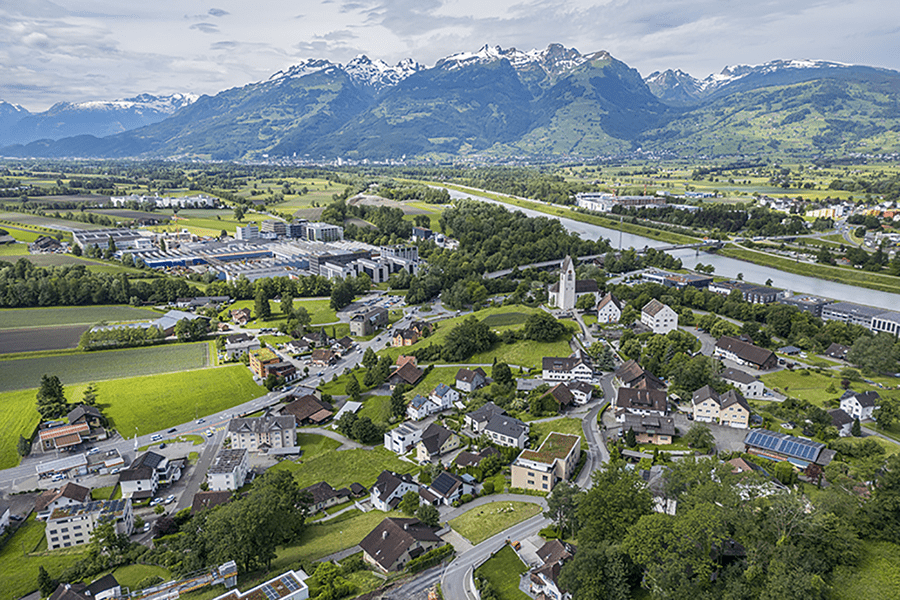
{"type": "Point", "coordinates": [270, 592]}
{"type": "Point", "coordinates": [290, 583]}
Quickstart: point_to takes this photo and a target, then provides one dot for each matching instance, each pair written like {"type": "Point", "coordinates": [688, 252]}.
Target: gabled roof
{"type": "Point", "coordinates": [865, 399]}
{"type": "Point", "coordinates": [788, 445]}
{"type": "Point", "coordinates": [649, 424]}
{"type": "Point", "coordinates": [561, 394]}
{"type": "Point", "coordinates": [745, 350]}
{"type": "Point", "coordinates": [393, 537]}
{"type": "Point", "coordinates": [446, 484]}
{"type": "Point", "coordinates": [609, 299]}
{"type": "Point", "coordinates": [739, 376]}
{"type": "Point", "coordinates": [408, 373]}
{"type": "Point", "coordinates": [264, 424]}
{"type": "Point", "coordinates": [733, 397]}
{"type": "Point", "coordinates": [555, 550]}
{"type": "Point", "coordinates": [434, 437]}
{"type": "Point", "coordinates": [403, 359]}
{"type": "Point", "coordinates": [470, 375]}
{"type": "Point", "coordinates": [469, 459]}
{"type": "Point", "coordinates": [580, 386]}
{"type": "Point", "coordinates": [630, 398]}
{"type": "Point", "coordinates": [304, 407]}
{"type": "Point", "coordinates": [441, 390]}
{"type": "Point", "coordinates": [322, 492]}
{"type": "Point", "coordinates": [389, 481]}
{"type": "Point", "coordinates": [209, 499]}
{"type": "Point", "coordinates": [506, 425]}
{"type": "Point", "coordinates": [836, 350]}
{"type": "Point", "coordinates": [485, 413]}
{"type": "Point", "coordinates": [653, 307]}
{"type": "Point", "coordinates": [81, 411]}
{"type": "Point", "coordinates": [839, 418]}
{"type": "Point", "coordinates": [72, 491]}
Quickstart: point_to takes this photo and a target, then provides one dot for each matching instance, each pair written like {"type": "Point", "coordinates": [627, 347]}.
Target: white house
{"type": "Point", "coordinates": [262, 433]}
{"type": "Point", "coordinates": [749, 385]}
{"type": "Point", "coordinates": [658, 317]}
{"type": "Point", "coordinates": [401, 439]}
{"type": "Point", "coordinates": [609, 309]}
{"type": "Point", "coordinates": [860, 405]}
{"type": "Point", "coordinates": [449, 487]}
{"type": "Point", "coordinates": [842, 422]}
{"type": "Point", "coordinates": [70, 494]}
{"type": "Point", "coordinates": [390, 488]}
{"type": "Point", "coordinates": [420, 407]}
{"type": "Point", "coordinates": [469, 380]}
{"type": "Point", "coordinates": [444, 396]}
{"type": "Point", "coordinates": [575, 367]}
{"type": "Point", "coordinates": [581, 391]}
{"type": "Point", "coordinates": [504, 430]}
{"type": "Point", "coordinates": [228, 470]}
{"type": "Point", "coordinates": [240, 344]}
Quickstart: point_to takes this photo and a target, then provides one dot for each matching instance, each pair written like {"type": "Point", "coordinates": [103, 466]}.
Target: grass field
{"type": "Point", "coordinates": [527, 353]}
{"type": "Point", "coordinates": [377, 408]}
{"type": "Point", "coordinates": [21, 556]}
{"type": "Point", "coordinates": [811, 386]}
{"type": "Point", "coordinates": [313, 445]}
{"type": "Point", "coordinates": [18, 416]}
{"type": "Point", "coordinates": [131, 575]}
{"type": "Point", "coordinates": [45, 223]}
{"type": "Point", "coordinates": [482, 522]}
{"type": "Point", "coordinates": [877, 576]}
{"type": "Point", "coordinates": [341, 468]}
{"type": "Point", "coordinates": [19, 318]}
{"type": "Point", "coordinates": [503, 570]}
{"type": "Point", "coordinates": [21, 373]}
{"type": "Point", "coordinates": [319, 312]}
{"type": "Point", "coordinates": [15, 250]}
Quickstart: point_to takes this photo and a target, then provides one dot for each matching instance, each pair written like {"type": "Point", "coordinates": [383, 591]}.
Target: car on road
{"type": "Point", "coordinates": [93, 451]}
{"type": "Point", "coordinates": [155, 501]}
{"type": "Point", "coordinates": [114, 471]}
{"type": "Point", "coordinates": [169, 499]}
{"type": "Point", "coordinates": [146, 527]}
{"type": "Point", "coordinates": [209, 433]}
{"type": "Point", "coordinates": [173, 430]}
{"type": "Point", "coordinates": [155, 437]}
{"type": "Point", "coordinates": [201, 421]}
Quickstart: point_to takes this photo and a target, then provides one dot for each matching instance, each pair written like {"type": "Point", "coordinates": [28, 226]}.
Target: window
{"type": "Point", "coordinates": [544, 485]}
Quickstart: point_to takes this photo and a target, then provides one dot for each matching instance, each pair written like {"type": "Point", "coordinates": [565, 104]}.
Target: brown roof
{"type": "Point", "coordinates": [321, 416]}
{"type": "Point", "coordinates": [72, 439]}
{"type": "Point", "coordinates": [304, 407]}
{"type": "Point", "coordinates": [745, 350]}
{"type": "Point", "coordinates": [403, 359]}
{"type": "Point", "coordinates": [468, 375]}
{"type": "Point", "coordinates": [392, 537]}
{"type": "Point", "coordinates": [607, 299]}
{"type": "Point", "coordinates": [555, 550]}
{"type": "Point", "coordinates": [64, 430]}
{"type": "Point", "coordinates": [653, 307]}
{"type": "Point", "coordinates": [561, 394]}
{"type": "Point", "coordinates": [322, 492]}
{"type": "Point", "coordinates": [70, 490]}
{"type": "Point", "coordinates": [641, 399]}
{"type": "Point", "coordinates": [408, 373]}
{"type": "Point", "coordinates": [204, 500]}
{"type": "Point", "coordinates": [322, 355]}
{"type": "Point", "coordinates": [631, 374]}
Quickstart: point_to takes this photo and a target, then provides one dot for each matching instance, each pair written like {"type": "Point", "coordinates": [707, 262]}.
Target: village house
{"type": "Point", "coordinates": [650, 430]}
{"type": "Point", "coordinates": [448, 488]}
{"type": "Point", "coordinates": [146, 473]}
{"type": "Point", "coordinates": [323, 496]}
{"type": "Point", "coordinates": [860, 405]}
{"type": "Point", "coordinates": [58, 435]}
{"type": "Point", "coordinates": [660, 318]}
{"type": "Point", "coordinates": [100, 589]}
{"type": "Point", "coordinates": [262, 433]}
{"type": "Point", "coordinates": [420, 407]}
{"type": "Point", "coordinates": [402, 438]}
{"type": "Point", "coordinates": [469, 380]}
{"type": "Point", "coordinates": [307, 410]}
{"type": "Point", "coordinates": [749, 385]}
{"type": "Point", "coordinates": [444, 396]}
{"type": "Point", "coordinates": [436, 441]}
{"type": "Point", "coordinates": [561, 396]}
{"type": "Point", "coordinates": [322, 357]}
{"type": "Point", "coordinates": [477, 420]}
{"type": "Point", "coordinates": [553, 461]}
{"type": "Point", "coordinates": [389, 489]}
{"type": "Point", "coordinates": [70, 494]}
{"type": "Point", "coordinates": [240, 344]}
{"type": "Point", "coordinates": [640, 402]}
{"type": "Point", "coordinates": [506, 431]}
{"type": "Point", "coordinates": [409, 374]}
{"type": "Point", "coordinates": [574, 367]}
{"type": "Point", "coordinates": [467, 459]}
{"type": "Point", "coordinates": [204, 500]}
{"type": "Point", "coordinates": [609, 309]}
{"type": "Point", "coordinates": [745, 353]}
{"type": "Point", "coordinates": [631, 375]}
{"type": "Point", "coordinates": [841, 421]}
{"type": "Point", "coordinates": [543, 581]}
{"type": "Point", "coordinates": [394, 542]}
{"type": "Point", "coordinates": [240, 316]}
{"type": "Point", "coordinates": [729, 409]}
{"type": "Point", "coordinates": [404, 337]}
{"type": "Point", "coordinates": [367, 322]}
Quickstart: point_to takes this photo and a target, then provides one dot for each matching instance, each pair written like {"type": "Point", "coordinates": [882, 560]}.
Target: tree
{"type": "Point", "coordinates": [562, 507]}
{"type": "Point", "coordinates": [342, 294]}
{"type": "Point", "coordinates": [272, 381]}
{"type": "Point", "coordinates": [429, 515]}
{"type": "Point", "coordinates": [856, 429]}
{"type": "Point", "coordinates": [543, 327]}
{"type": "Point", "coordinates": [630, 438]}
{"type": "Point", "coordinates": [398, 402]}
{"type": "Point", "coordinates": [369, 359]}
{"type": "Point", "coordinates": [90, 395]}
{"type": "Point", "coordinates": [615, 501]}
{"type": "Point", "coordinates": [603, 572]}
{"type": "Point", "coordinates": [287, 304]}
{"type": "Point", "coordinates": [875, 355]}
{"type": "Point", "coordinates": [239, 212]}
{"type": "Point", "coordinates": [262, 309]}
{"type": "Point", "coordinates": [502, 374]}
{"type": "Point", "coordinates": [888, 413]}
{"type": "Point", "coordinates": [46, 584]}
{"type": "Point", "coordinates": [409, 503]}
{"type": "Point", "coordinates": [352, 388]}
{"type": "Point", "coordinates": [701, 437]}
{"type": "Point", "coordinates": [23, 446]}
{"type": "Point", "coordinates": [51, 401]}
{"type": "Point", "coordinates": [586, 302]}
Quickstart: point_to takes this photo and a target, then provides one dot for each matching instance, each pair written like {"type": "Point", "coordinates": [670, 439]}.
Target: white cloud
{"type": "Point", "coordinates": [101, 49]}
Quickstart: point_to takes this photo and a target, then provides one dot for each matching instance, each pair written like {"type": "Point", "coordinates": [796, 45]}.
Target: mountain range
{"type": "Point", "coordinates": [493, 103]}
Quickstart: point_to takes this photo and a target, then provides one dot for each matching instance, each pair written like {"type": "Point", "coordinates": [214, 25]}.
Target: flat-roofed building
{"type": "Point", "coordinates": [810, 304]}
{"type": "Point", "coordinates": [849, 312]}
{"type": "Point", "coordinates": [555, 460]}
{"type": "Point", "coordinates": [889, 322]}
{"type": "Point", "coordinates": [228, 470]}
{"type": "Point", "coordinates": [324, 232]}
{"type": "Point", "coordinates": [73, 525]}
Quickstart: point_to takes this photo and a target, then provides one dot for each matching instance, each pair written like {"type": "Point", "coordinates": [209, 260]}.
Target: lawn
{"type": "Point", "coordinates": [106, 493]}
{"type": "Point", "coordinates": [485, 521]}
{"type": "Point", "coordinates": [876, 576]}
{"type": "Point", "coordinates": [377, 408]}
{"type": "Point", "coordinates": [504, 570]}
{"type": "Point", "coordinates": [18, 416]}
{"type": "Point", "coordinates": [13, 249]}
{"type": "Point", "coordinates": [23, 553]}
{"type": "Point", "coordinates": [563, 425]}
{"type": "Point", "coordinates": [341, 468]}
{"type": "Point", "coordinates": [313, 445]}
{"type": "Point", "coordinates": [20, 318]}
{"type": "Point", "coordinates": [21, 373]}
{"type": "Point", "coordinates": [131, 575]}
{"type": "Point", "coordinates": [322, 539]}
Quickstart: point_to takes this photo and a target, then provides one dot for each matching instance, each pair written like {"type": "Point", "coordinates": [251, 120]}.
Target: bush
{"type": "Point", "coordinates": [487, 488]}
{"type": "Point", "coordinates": [430, 558]}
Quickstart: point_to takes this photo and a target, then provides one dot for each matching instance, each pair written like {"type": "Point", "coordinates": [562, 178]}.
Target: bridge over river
{"type": "Point", "coordinates": [555, 264]}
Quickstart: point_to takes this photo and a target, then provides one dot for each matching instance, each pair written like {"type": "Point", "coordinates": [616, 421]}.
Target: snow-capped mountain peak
{"type": "Point", "coordinates": [734, 72]}
{"type": "Point", "coordinates": [302, 69]}
{"type": "Point", "coordinates": [378, 74]}
{"type": "Point", "coordinates": [162, 104]}
{"type": "Point", "coordinates": [554, 60]}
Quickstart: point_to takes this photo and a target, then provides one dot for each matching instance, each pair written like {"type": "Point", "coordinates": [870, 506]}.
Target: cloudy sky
{"type": "Point", "coordinates": [78, 50]}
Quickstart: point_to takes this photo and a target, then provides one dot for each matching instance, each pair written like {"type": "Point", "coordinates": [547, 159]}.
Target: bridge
{"type": "Point", "coordinates": [557, 263]}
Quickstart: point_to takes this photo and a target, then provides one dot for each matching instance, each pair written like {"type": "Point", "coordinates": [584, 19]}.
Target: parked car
{"type": "Point", "coordinates": [170, 499]}
{"type": "Point", "coordinates": [156, 437]}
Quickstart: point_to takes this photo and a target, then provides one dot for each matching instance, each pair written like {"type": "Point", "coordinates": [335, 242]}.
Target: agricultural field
{"type": "Point", "coordinates": [38, 339]}
{"type": "Point", "coordinates": [822, 389]}
{"type": "Point", "coordinates": [24, 552]}
{"type": "Point", "coordinates": [21, 373]}
{"type": "Point", "coordinates": [482, 522]}
{"type": "Point", "coordinates": [15, 250]}
{"type": "Point", "coordinates": [46, 222]}
{"type": "Point", "coordinates": [20, 318]}
{"type": "Point", "coordinates": [21, 234]}
{"type": "Point", "coordinates": [341, 468]}
{"type": "Point", "coordinates": [18, 416]}
{"type": "Point", "coordinates": [319, 310]}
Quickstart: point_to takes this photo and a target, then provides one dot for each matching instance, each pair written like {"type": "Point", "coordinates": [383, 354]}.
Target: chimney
{"type": "Point", "coordinates": [384, 535]}
{"type": "Point", "coordinates": [406, 526]}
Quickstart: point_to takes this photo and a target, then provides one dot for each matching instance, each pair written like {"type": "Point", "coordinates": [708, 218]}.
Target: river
{"type": "Point", "coordinates": [724, 266]}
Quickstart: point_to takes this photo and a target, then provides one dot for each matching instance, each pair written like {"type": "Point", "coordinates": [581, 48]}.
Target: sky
{"type": "Point", "coordinates": [83, 50]}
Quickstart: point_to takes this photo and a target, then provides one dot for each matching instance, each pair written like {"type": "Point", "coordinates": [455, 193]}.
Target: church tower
{"type": "Point", "coordinates": [567, 285]}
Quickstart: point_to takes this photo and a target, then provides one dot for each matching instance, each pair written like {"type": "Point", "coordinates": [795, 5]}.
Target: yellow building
{"type": "Point", "coordinates": [259, 359]}
{"type": "Point", "coordinates": [554, 461]}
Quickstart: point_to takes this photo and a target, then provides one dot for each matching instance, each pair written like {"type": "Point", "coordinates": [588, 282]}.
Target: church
{"type": "Point", "coordinates": [566, 292]}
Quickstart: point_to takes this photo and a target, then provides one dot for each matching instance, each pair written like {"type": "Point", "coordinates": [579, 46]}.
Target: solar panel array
{"type": "Point", "coordinates": [290, 583]}
{"type": "Point", "coordinates": [787, 445]}
{"type": "Point", "coordinates": [270, 592]}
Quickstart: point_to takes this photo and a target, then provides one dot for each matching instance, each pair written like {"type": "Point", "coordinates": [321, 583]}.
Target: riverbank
{"type": "Point", "coordinates": [558, 211]}
{"type": "Point", "coordinates": [856, 277]}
